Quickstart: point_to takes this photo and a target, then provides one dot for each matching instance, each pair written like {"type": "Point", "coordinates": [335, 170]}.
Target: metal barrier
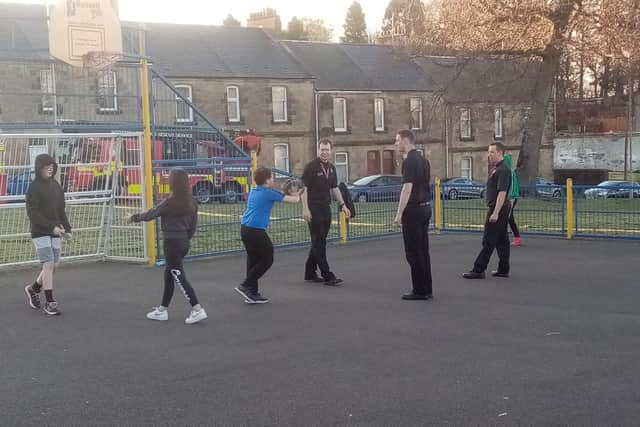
{"type": "Point", "coordinates": [98, 173]}
{"type": "Point", "coordinates": [611, 209]}
{"type": "Point", "coordinates": [540, 209]}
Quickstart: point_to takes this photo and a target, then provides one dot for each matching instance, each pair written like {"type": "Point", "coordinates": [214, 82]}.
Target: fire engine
{"type": "Point", "coordinates": [211, 179]}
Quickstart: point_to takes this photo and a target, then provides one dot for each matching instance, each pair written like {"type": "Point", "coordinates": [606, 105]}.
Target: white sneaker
{"type": "Point", "coordinates": [158, 314]}
{"type": "Point", "coordinates": [196, 316]}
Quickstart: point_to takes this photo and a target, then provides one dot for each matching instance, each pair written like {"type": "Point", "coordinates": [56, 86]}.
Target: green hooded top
{"type": "Point", "coordinates": [515, 188]}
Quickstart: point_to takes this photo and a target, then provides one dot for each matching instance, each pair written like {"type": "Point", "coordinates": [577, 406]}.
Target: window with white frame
{"type": "Point", "coordinates": [281, 157]}
{"type": "Point", "coordinates": [184, 113]}
{"type": "Point", "coordinates": [339, 114]}
{"type": "Point", "coordinates": [47, 90]}
{"type": "Point", "coordinates": [465, 123]}
{"type": "Point", "coordinates": [497, 123]}
{"type": "Point", "coordinates": [416, 113]}
{"type": "Point", "coordinates": [378, 108]}
{"type": "Point", "coordinates": [342, 166]}
{"type": "Point", "coordinates": [279, 101]}
{"type": "Point", "coordinates": [233, 104]}
{"type": "Point", "coordinates": [108, 91]}
{"type": "Point", "coordinates": [466, 167]}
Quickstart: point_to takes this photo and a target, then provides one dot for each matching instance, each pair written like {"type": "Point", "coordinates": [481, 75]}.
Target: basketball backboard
{"type": "Point", "coordinates": [81, 27]}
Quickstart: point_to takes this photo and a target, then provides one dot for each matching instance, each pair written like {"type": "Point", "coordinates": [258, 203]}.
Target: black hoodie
{"type": "Point", "coordinates": [45, 201]}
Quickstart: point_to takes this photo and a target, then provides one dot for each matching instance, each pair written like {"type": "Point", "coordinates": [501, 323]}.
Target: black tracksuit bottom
{"type": "Point", "coordinates": [174, 252]}
{"type": "Point", "coordinates": [259, 255]}
{"type": "Point", "coordinates": [319, 229]}
{"type": "Point", "coordinates": [512, 220]}
{"type": "Point", "coordinates": [415, 231]}
{"type": "Point", "coordinates": [496, 237]}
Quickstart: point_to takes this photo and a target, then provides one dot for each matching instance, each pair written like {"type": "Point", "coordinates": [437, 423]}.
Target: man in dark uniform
{"type": "Point", "coordinates": [496, 235]}
{"type": "Point", "coordinates": [321, 180]}
{"type": "Point", "coordinates": [414, 213]}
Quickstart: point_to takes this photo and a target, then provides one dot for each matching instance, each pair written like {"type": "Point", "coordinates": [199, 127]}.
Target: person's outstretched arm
{"type": "Point", "coordinates": [151, 214]}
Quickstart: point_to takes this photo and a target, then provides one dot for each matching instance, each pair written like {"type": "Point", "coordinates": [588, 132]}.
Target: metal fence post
{"type": "Point", "coordinates": [254, 167]}
{"type": "Point", "coordinates": [148, 169]}
{"type": "Point", "coordinates": [570, 209]}
{"type": "Point", "coordinates": [438, 205]}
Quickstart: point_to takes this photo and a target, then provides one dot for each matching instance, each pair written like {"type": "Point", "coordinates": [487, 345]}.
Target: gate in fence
{"type": "Point", "coordinates": [101, 175]}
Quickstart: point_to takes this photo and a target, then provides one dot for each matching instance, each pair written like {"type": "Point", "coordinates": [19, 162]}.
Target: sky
{"type": "Point", "coordinates": [213, 12]}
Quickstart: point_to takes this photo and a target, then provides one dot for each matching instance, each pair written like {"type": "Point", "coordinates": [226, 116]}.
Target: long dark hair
{"type": "Point", "coordinates": [181, 200]}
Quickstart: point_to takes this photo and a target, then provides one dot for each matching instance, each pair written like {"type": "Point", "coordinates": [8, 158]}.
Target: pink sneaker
{"type": "Point", "coordinates": [517, 241]}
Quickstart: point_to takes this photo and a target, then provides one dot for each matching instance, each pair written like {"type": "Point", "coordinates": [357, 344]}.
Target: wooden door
{"type": "Point", "coordinates": [388, 162]}
{"type": "Point", "coordinates": [373, 163]}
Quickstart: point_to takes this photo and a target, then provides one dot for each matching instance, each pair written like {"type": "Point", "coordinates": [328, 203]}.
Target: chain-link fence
{"type": "Point", "coordinates": [100, 175]}
{"type": "Point", "coordinates": [611, 209]}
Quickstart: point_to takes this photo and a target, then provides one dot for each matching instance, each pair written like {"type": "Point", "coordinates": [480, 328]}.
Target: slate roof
{"type": "Point", "coordinates": [481, 79]}
{"type": "Point", "coordinates": [23, 31]}
{"type": "Point", "coordinates": [208, 51]}
{"type": "Point", "coordinates": [359, 67]}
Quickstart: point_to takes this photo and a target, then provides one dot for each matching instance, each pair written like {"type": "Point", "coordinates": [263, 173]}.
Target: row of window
{"type": "Point", "coordinates": [108, 101]}
{"type": "Point", "coordinates": [107, 91]}
{"type": "Point", "coordinates": [340, 119]}
{"type": "Point", "coordinates": [466, 129]}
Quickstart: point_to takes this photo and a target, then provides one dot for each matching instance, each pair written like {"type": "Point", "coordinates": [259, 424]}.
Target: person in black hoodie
{"type": "Point", "coordinates": [49, 223]}
{"type": "Point", "coordinates": [179, 217]}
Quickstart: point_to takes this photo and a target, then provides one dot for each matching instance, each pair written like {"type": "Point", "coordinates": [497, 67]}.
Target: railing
{"type": "Point", "coordinates": [611, 211]}
{"type": "Point", "coordinates": [540, 209]}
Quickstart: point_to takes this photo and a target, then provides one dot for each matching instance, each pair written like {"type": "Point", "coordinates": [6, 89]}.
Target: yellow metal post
{"type": "Point", "coordinates": [254, 167]}
{"type": "Point", "coordinates": [571, 220]}
{"type": "Point", "coordinates": [437, 197]}
{"type": "Point", "coordinates": [343, 228]}
{"type": "Point", "coordinates": [148, 169]}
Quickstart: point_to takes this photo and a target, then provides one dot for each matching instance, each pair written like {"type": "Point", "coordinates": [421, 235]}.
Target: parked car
{"type": "Point", "coordinates": [462, 188]}
{"type": "Point", "coordinates": [376, 188]}
{"type": "Point", "coordinates": [546, 188]}
{"type": "Point", "coordinates": [613, 189]}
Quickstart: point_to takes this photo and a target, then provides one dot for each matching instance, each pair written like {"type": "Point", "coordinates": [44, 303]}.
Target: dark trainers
{"type": "Point", "coordinates": [256, 298]}
{"type": "Point", "coordinates": [314, 279]}
{"type": "Point", "coordinates": [33, 298]}
{"type": "Point", "coordinates": [410, 296]}
{"type": "Point", "coordinates": [51, 308]}
{"type": "Point", "coordinates": [333, 282]}
{"type": "Point", "coordinates": [473, 275]}
{"type": "Point", "coordinates": [244, 291]}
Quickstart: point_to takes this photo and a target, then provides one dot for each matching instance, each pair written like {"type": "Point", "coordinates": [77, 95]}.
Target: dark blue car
{"type": "Point", "coordinates": [376, 188]}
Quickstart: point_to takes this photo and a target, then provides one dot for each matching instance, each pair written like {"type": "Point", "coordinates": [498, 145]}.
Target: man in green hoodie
{"type": "Point", "coordinates": [49, 223]}
{"type": "Point", "coordinates": [514, 194]}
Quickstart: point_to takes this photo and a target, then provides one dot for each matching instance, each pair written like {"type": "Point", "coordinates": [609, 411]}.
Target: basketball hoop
{"type": "Point", "coordinates": [100, 60]}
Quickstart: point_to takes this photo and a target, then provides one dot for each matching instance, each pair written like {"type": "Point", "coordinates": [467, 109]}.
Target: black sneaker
{"type": "Point", "coordinates": [473, 275]}
{"type": "Point", "coordinates": [499, 274]}
{"type": "Point", "coordinates": [244, 291]}
{"type": "Point", "coordinates": [314, 279]}
{"type": "Point", "coordinates": [51, 308]}
{"type": "Point", "coordinates": [33, 298]}
{"type": "Point", "coordinates": [256, 298]}
{"type": "Point", "coordinates": [333, 282]}
{"type": "Point", "coordinates": [410, 296]}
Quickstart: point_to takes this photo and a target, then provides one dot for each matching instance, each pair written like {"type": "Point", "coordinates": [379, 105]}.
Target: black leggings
{"type": "Point", "coordinates": [174, 252]}
{"type": "Point", "coordinates": [259, 255]}
{"type": "Point", "coordinates": [512, 220]}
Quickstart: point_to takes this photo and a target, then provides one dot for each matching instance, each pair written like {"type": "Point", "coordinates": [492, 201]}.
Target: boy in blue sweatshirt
{"type": "Point", "coordinates": [254, 233]}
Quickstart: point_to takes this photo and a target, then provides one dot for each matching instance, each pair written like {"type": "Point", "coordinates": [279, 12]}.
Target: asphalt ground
{"type": "Point", "coordinates": [557, 344]}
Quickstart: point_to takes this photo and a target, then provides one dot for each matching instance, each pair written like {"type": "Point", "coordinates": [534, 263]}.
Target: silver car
{"type": "Point", "coordinates": [462, 188]}
{"type": "Point", "coordinates": [613, 189]}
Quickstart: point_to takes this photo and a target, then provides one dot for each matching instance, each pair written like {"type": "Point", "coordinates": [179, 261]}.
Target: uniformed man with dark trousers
{"type": "Point", "coordinates": [496, 235]}
{"type": "Point", "coordinates": [414, 213]}
{"type": "Point", "coordinates": [321, 181]}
